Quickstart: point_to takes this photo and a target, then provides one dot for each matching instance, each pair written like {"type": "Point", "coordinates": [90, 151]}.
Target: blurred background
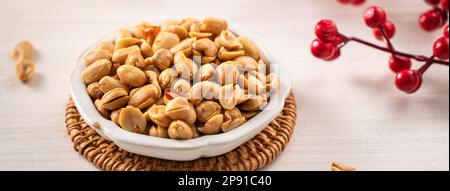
{"type": "Point", "coordinates": [349, 109]}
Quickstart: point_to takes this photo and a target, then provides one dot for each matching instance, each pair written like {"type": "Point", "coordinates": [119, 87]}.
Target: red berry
{"type": "Point", "coordinates": [432, 2]}
{"type": "Point", "coordinates": [408, 81]}
{"type": "Point", "coordinates": [375, 17]}
{"type": "Point", "coordinates": [444, 4]}
{"type": "Point", "coordinates": [358, 2]}
{"type": "Point", "coordinates": [440, 48]}
{"type": "Point", "coordinates": [446, 32]}
{"type": "Point", "coordinates": [322, 49]}
{"type": "Point", "coordinates": [431, 20]}
{"type": "Point", "coordinates": [389, 29]}
{"type": "Point", "coordinates": [344, 1]}
{"type": "Point", "coordinates": [326, 30]}
{"type": "Point", "coordinates": [399, 63]}
{"type": "Point", "coordinates": [336, 55]}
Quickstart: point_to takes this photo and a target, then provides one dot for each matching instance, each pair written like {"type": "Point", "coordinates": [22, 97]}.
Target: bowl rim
{"type": "Point", "coordinates": [113, 132]}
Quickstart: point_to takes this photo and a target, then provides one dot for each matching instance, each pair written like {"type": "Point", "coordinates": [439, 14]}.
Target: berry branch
{"type": "Point", "coordinates": [329, 42]}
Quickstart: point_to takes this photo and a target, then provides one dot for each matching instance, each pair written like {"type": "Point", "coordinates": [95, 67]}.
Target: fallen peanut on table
{"type": "Point", "coordinates": [22, 55]}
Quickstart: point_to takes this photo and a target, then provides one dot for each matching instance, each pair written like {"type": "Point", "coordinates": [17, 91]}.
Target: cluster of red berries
{"type": "Point", "coordinates": [436, 17]}
{"type": "Point", "coordinates": [329, 41]}
{"type": "Point", "coordinates": [352, 2]}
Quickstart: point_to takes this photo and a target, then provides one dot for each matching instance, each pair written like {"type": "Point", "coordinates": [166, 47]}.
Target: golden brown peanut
{"type": "Point", "coordinates": [247, 63]}
{"type": "Point", "coordinates": [153, 79]}
{"type": "Point", "coordinates": [254, 103]}
{"type": "Point", "coordinates": [249, 114]}
{"type": "Point", "coordinates": [203, 90]}
{"type": "Point", "coordinates": [103, 112]}
{"type": "Point", "coordinates": [94, 91]}
{"type": "Point", "coordinates": [108, 83]}
{"type": "Point", "coordinates": [226, 55]}
{"type": "Point", "coordinates": [96, 55]}
{"type": "Point", "coordinates": [227, 73]}
{"type": "Point", "coordinates": [138, 30]}
{"type": "Point", "coordinates": [132, 119]}
{"type": "Point", "coordinates": [249, 47]}
{"type": "Point", "coordinates": [252, 84]}
{"type": "Point", "coordinates": [188, 22]}
{"type": "Point", "coordinates": [207, 109]}
{"type": "Point", "coordinates": [229, 96]}
{"type": "Point", "coordinates": [23, 50]}
{"type": "Point", "coordinates": [104, 45]}
{"type": "Point", "coordinates": [146, 49]}
{"type": "Point", "coordinates": [157, 131]}
{"type": "Point", "coordinates": [162, 59]}
{"type": "Point", "coordinates": [181, 87]}
{"type": "Point", "coordinates": [213, 125]}
{"type": "Point", "coordinates": [206, 46]}
{"type": "Point", "coordinates": [143, 97]}
{"type": "Point", "coordinates": [158, 116]}
{"type": "Point", "coordinates": [167, 77]}
{"type": "Point", "coordinates": [120, 55]}
{"type": "Point", "coordinates": [228, 40]}
{"type": "Point", "coordinates": [272, 82]}
{"type": "Point", "coordinates": [195, 27]}
{"type": "Point", "coordinates": [185, 67]}
{"type": "Point", "coordinates": [180, 109]}
{"type": "Point", "coordinates": [135, 58]}
{"type": "Point", "coordinates": [165, 40]}
{"type": "Point", "coordinates": [25, 70]}
{"type": "Point", "coordinates": [178, 30]}
{"type": "Point", "coordinates": [232, 119]}
{"type": "Point", "coordinates": [115, 99]}
{"type": "Point", "coordinates": [184, 46]}
{"type": "Point", "coordinates": [214, 25]}
{"type": "Point", "coordinates": [115, 116]}
{"type": "Point", "coordinates": [126, 42]}
{"type": "Point", "coordinates": [96, 71]}
{"type": "Point", "coordinates": [206, 72]}
{"type": "Point", "coordinates": [131, 76]}
{"type": "Point", "coordinates": [200, 35]}
{"type": "Point", "coordinates": [180, 130]}
{"type": "Point", "coordinates": [123, 33]}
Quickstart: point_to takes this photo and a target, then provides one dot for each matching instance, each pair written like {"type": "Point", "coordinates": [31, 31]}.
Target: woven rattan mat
{"type": "Point", "coordinates": [252, 155]}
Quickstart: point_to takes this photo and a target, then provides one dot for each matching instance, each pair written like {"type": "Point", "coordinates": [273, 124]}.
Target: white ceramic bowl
{"type": "Point", "coordinates": [181, 150]}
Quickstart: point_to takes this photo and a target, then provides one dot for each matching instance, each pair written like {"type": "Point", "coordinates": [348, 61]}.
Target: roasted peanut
{"type": "Point", "coordinates": [162, 59]}
{"type": "Point", "coordinates": [272, 82]}
{"type": "Point", "coordinates": [132, 119]}
{"type": "Point", "coordinates": [184, 46]}
{"type": "Point", "coordinates": [167, 77]}
{"type": "Point", "coordinates": [115, 116]}
{"type": "Point", "coordinates": [227, 73]}
{"type": "Point", "coordinates": [229, 96]}
{"type": "Point", "coordinates": [213, 125]}
{"type": "Point", "coordinates": [254, 103]}
{"type": "Point", "coordinates": [23, 50]}
{"type": "Point", "coordinates": [180, 109]}
{"type": "Point", "coordinates": [207, 109]}
{"type": "Point", "coordinates": [203, 90]}
{"type": "Point", "coordinates": [226, 55]}
{"type": "Point", "coordinates": [94, 90]}
{"type": "Point", "coordinates": [249, 47]}
{"type": "Point", "coordinates": [181, 87]}
{"type": "Point", "coordinates": [165, 40]}
{"type": "Point", "coordinates": [103, 112]}
{"type": "Point", "coordinates": [108, 83]}
{"type": "Point", "coordinates": [25, 70]}
{"type": "Point", "coordinates": [178, 30]}
{"type": "Point", "coordinates": [232, 119]}
{"type": "Point", "coordinates": [131, 76]}
{"type": "Point", "coordinates": [158, 116]}
{"type": "Point", "coordinates": [143, 97]}
{"type": "Point", "coordinates": [135, 58]}
{"type": "Point", "coordinates": [96, 71]}
{"type": "Point", "coordinates": [185, 67]}
{"type": "Point", "coordinates": [115, 99]}
{"type": "Point", "coordinates": [96, 55]}
{"type": "Point", "coordinates": [252, 84]}
{"type": "Point", "coordinates": [206, 46]}
{"type": "Point", "coordinates": [126, 42]}
{"type": "Point", "coordinates": [228, 40]}
{"type": "Point", "coordinates": [157, 131]}
{"type": "Point", "coordinates": [180, 130]}
{"type": "Point", "coordinates": [206, 72]}
{"type": "Point", "coordinates": [146, 49]}
{"type": "Point", "coordinates": [214, 25]}
{"type": "Point", "coordinates": [246, 63]}
{"type": "Point", "coordinates": [120, 55]}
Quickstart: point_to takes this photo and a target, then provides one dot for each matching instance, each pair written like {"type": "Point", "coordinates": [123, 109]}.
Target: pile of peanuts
{"type": "Point", "coordinates": [180, 79]}
{"type": "Point", "coordinates": [22, 55]}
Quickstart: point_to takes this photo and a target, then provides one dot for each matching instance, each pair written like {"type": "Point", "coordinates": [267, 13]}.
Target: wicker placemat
{"type": "Point", "coordinates": [252, 155]}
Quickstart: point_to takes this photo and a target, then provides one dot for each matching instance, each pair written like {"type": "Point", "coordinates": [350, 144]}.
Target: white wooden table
{"type": "Point", "coordinates": [349, 110]}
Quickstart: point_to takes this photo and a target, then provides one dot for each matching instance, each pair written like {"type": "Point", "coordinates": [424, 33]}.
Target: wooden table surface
{"type": "Point", "coordinates": [349, 110]}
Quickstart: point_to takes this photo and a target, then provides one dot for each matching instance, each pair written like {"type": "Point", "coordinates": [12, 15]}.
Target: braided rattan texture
{"type": "Point", "coordinates": [252, 155]}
